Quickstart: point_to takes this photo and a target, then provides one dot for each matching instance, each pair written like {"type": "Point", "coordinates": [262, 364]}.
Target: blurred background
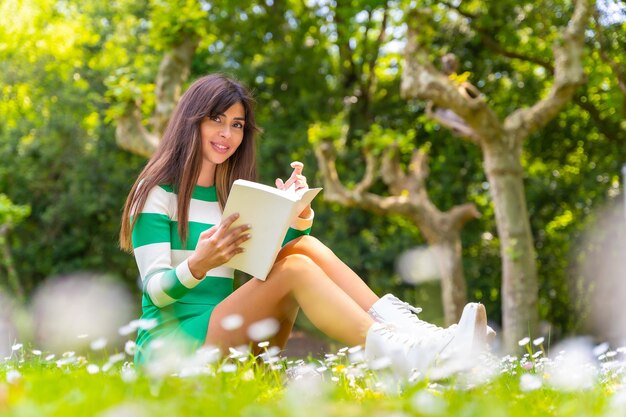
{"type": "Point", "coordinates": [86, 87]}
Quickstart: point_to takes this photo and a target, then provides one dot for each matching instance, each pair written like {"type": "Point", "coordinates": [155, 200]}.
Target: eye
{"type": "Point", "coordinates": [215, 118]}
{"type": "Point", "coordinates": [238, 125]}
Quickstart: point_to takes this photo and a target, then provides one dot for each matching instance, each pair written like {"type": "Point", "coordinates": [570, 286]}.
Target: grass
{"type": "Point", "coordinates": [37, 384]}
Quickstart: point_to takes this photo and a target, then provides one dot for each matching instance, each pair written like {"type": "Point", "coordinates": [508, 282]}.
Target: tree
{"type": "Point", "coordinates": [10, 215]}
{"type": "Point", "coordinates": [501, 143]}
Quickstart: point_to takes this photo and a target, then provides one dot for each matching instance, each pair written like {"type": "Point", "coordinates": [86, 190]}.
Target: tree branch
{"type": "Point", "coordinates": [496, 47]}
{"type": "Point", "coordinates": [173, 72]}
{"type": "Point", "coordinates": [452, 121]}
{"type": "Point", "coordinates": [568, 76]}
{"type": "Point", "coordinates": [408, 194]}
{"type": "Point", "coordinates": [130, 133]}
{"type": "Point", "coordinates": [420, 79]}
{"type": "Point", "coordinates": [371, 79]}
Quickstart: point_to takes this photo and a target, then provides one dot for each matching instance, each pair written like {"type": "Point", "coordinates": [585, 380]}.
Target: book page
{"type": "Point", "coordinates": [270, 212]}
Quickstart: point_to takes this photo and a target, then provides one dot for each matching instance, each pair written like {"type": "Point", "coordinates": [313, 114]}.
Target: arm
{"type": "Point", "coordinates": [162, 282]}
{"type": "Point", "coordinates": [302, 225]}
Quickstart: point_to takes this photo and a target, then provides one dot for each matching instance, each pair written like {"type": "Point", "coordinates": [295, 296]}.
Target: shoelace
{"type": "Point", "coordinates": [410, 312]}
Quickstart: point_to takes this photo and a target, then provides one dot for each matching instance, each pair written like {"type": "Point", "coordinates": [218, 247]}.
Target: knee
{"type": "Point", "coordinates": [307, 245]}
{"type": "Point", "coordinates": [294, 264]}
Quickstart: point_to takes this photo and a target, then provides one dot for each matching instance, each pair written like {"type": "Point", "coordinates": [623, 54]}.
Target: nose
{"type": "Point", "coordinates": [225, 132]}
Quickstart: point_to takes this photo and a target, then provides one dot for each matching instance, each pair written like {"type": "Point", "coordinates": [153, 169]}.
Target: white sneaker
{"type": "Point", "coordinates": [470, 334]}
{"type": "Point", "coordinates": [403, 352]}
{"type": "Point", "coordinates": [390, 309]}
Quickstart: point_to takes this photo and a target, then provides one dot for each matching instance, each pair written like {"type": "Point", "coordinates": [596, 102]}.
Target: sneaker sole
{"type": "Point", "coordinates": [472, 328]}
{"type": "Point", "coordinates": [480, 328]}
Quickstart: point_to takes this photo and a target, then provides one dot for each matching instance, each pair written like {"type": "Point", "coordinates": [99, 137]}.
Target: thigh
{"type": "Point", "coordinates": [253, 302]}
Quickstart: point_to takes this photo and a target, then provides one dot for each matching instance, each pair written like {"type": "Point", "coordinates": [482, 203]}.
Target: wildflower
{"type": "Point", "coordinates": [529, 382]}
{"type": "Point", "coordinates": [116, 358]}
{"type": "Point", "coordinates": [36, 352]}
{"type": "Point", "coordinates": [538, 341]}
{"type": "Point", "coordinates": [232, 322]}
{"type": "Point", "coordinates": [207, 354]}
{"type": "Point", "coordinates": [50, 357]}
{"type": "Point", "coordinates": [13, 376]}
{"type": "Point", "coordinates": [128, 373]}
{"type": "Point", "coordinates": [228, 368]}
{"type": "Point", "coordinates": [144, 324]}
{"type": "Point", "coordinates": [16, 347]}
{"type": "Point", "coordinates": [130, 347]}
{"type": "Point", "coordinates": [600, 349]}
{"type": "Point", "coordinates": [356, 354]}
{"type": "Point", "coordinates": [524, 341]}
{"type": "Point", "coordinates": [234, 353]}
{"type": "Point", "coordinates": [427, 403]}
{"type": "Point", "coordinates": [263, 344]}
{"type": "Point", "coordinates": [263, 329]}
{"type": "Point", "coordinates": [98, 344]}
{"type": "Point", "coordinates": [573, 369]}
{"type": "Point", "coordinates": [93, 369]}
{"type": "Point", "coordinates": [339, 368]}
{"type": "Point", "coordinates": [126, 330]}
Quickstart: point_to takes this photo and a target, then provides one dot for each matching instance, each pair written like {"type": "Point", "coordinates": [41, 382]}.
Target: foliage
{"type": "Point", "coordinates": [67, 69]}
{"type": "Point", "coordinates": [11, 214]}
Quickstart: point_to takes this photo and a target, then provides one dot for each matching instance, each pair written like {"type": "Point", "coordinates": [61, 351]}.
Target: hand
{"type": "Point", "coordinates": [297, 179]}
{"type": "Point", "coordinates": [299, 182]}
{"type": "Point", "coordinates": [217, 245]}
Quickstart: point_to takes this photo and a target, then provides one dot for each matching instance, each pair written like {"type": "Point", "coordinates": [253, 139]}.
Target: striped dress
{"type": "Point", "coordinates": [172, 297]}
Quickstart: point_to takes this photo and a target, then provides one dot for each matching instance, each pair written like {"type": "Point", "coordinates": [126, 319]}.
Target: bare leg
{"type": "Point", "coordinates": [295, 280]}
{"type": "Point", "coordinates": [335, 269]}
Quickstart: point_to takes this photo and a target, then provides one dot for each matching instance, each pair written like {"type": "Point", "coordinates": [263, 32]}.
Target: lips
{"type": "Point", "coordinates": [220, 147]}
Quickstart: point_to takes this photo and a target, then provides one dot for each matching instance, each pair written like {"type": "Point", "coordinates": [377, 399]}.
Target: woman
{"type": "Point", "coordinates": [172, 222]}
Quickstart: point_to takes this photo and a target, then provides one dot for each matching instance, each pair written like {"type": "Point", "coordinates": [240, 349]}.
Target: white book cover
{"type": "Point", "coordinates": [270, 212]}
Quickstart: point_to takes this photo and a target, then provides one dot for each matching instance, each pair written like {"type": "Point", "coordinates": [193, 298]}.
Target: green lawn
{"type": "Point", "coordinates": [577, 384]}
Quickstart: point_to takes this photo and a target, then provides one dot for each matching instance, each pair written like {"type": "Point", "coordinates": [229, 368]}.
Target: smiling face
{"type": "Point", "coordinates": [221, 136]}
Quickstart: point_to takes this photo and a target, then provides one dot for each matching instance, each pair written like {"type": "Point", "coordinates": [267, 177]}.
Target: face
{"type": "Point", "coordinates": [221, 135]}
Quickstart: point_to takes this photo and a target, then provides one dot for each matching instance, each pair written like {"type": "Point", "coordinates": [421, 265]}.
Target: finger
{"type": "Point", "coordinates": [226, 223]}
{"type": "Point", "coordinates": [209, 232]}
{"type": "Point", "coordinates": [236, 232]}
{"type": "Point", "coordinates": [297, 170]}
{"type": "Point", "coordinates": [297, 167]}
{"type": "Point", "coordinates": [280, 184]}
{"type": "Point", "coordinates": [241, 239]}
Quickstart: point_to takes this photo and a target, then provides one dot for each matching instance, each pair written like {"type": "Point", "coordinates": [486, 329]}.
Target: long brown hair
{"type": "Point", "coordinates": [178, 158]}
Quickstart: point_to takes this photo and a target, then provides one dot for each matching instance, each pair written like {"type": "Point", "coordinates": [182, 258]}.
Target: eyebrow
{"type": "Point", "coordinates": [234, 118]}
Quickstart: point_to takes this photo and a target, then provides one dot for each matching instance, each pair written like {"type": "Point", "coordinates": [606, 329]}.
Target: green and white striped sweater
{"type": "Point", "coordinates": [179, 303]}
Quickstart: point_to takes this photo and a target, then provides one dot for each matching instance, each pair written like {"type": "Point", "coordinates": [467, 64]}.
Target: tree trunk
{"type": "Point", "coordinates": [453, 288]}
{"type": "Point", "coordinates": [7, 261]}
{"type": "Point", "coordinates": [519, 272]}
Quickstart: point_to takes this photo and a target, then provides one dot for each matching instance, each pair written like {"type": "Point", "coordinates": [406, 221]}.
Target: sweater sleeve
{"type": "Point", "coordinates": [299, 228]}
{"type": "Point", "coordinates": [162, 282]}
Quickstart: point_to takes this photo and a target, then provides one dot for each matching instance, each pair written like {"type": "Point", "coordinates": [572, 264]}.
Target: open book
{"type": "Point", "coordinates": [270, 212]}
